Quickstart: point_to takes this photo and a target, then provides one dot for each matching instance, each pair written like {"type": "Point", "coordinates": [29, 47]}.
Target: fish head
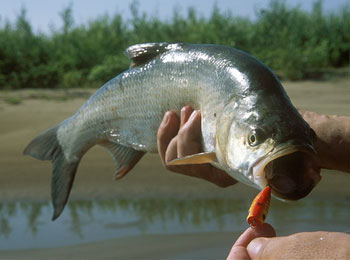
{"type": "Point", "coordinates": [268, 148]}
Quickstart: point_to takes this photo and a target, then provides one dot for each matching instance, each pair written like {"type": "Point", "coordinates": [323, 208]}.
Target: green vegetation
{"type": "Point", "coordinates": [294, 43]}
{"type": "Point", "coordinates": [13, 100]}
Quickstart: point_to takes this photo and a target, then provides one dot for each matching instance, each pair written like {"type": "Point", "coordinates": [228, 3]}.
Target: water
{"type": "Point", "coordinates": [29, 225]}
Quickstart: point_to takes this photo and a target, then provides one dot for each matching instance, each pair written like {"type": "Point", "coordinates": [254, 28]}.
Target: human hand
{"type": "Point", "coordinates": [260, 243]}
{"type": "Point", "coordinates": [239, 250]}
{"type": "Point", "coordinates": [181, 137]}
{"type": "Point", "coordinates": [332, 144]}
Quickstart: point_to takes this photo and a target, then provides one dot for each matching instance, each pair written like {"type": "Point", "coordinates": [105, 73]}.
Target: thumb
{"type": "Point", "coordinates": [256, 247]}
{"type": "Point", "coordinates": [239, 249]}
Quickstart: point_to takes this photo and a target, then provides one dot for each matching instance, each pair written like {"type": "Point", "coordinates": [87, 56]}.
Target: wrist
{"type": "Point", "coordinates": [332, 144]}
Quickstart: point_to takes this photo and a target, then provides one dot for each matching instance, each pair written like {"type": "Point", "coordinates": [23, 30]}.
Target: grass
{"type": "Point", "coordinates": [13, 100]}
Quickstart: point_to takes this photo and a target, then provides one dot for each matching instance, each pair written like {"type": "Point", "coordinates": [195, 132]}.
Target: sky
{"type": "Point", "coordinates": [44, 14]}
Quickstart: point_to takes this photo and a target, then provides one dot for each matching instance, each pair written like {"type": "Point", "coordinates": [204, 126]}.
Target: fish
{"type": "Point", "coordinates": [250, 129]}
{"type": "Point", "coordinates": [259, 208]}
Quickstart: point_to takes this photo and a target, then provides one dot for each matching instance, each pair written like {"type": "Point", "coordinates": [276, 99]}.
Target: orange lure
{"type": "Point", "coordinates": [259, 208]}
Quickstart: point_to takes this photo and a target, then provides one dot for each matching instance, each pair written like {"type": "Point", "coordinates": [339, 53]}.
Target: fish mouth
{"type": "Point", "coordinates": [291, 172]}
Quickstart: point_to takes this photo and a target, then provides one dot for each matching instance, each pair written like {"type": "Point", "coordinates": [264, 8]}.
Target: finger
{"type": "Point", "coordinates": [239, 249]}
{"type": "Point", "coordinates": [266, 230]}
{"type": "Point", "coordinates": [238, 253]}
{"type": "Point", "coordinates": [171, 152]}
{"type": "Point", "coordinates": [185, 114]}
{"type": "Point", "coordinates": [218, 177]}
{"type": "Point", "coordinates": [309, 245]}
{"type": "Point", "coordinates": [189, 136]}
{"type": "Point", "coordinates": [256, 247]}
{"type": "Point", "coordinates": [167, 131]}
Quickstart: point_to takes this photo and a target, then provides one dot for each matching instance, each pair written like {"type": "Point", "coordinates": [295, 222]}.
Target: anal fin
{"type": "Point", "coordinates": [124, 157]}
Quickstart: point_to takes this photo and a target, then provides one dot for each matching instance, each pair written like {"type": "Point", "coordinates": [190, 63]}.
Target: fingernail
{"type": "Point", "coordinates": [183, 109]}
{"type": "Point", "coordinates": [194, 114]}
{"type": "Point", "coordinates": [183, 112]}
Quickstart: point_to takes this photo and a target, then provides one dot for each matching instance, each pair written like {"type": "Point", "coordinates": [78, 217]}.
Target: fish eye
{"type": "Point", "coordinates": [255, 137]}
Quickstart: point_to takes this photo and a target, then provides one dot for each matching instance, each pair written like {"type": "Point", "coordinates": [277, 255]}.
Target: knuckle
{"type": "Point", "coordinates": [183, 134]}
{"type": "Point", "coordinates": [161, 134]}
{"type": "Point", "coordinates": [169, 157]}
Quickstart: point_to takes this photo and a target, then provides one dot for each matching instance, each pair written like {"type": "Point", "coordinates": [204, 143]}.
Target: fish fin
{"type": "Point", "coordinates": [124, 157]}
{"type": "Point", "coordinates": [198, 158]}
{"type": "Point", "coordinates": [142, 53]}
{"type": "Point", "coordinates": [43, 146]}
{"type": "Point", "coordinates": [47, 147]}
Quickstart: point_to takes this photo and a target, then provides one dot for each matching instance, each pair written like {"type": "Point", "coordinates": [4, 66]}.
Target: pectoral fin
{"type": "Point", "coordinates": [198, 158]}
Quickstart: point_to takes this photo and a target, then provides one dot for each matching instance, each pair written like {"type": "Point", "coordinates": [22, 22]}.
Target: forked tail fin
{"type": "Point", "coordinates": [47, 147]}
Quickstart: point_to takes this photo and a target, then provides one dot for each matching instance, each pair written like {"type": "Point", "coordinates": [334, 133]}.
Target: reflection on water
{"type": "Point", "coordinates": [28, 225]}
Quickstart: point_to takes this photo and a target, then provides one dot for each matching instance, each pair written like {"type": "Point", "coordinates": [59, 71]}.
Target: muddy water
{"type": "Point", "coordinates": [28, 225]}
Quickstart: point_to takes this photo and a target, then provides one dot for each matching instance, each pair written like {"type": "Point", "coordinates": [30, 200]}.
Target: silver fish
{"type": "Point", "coordinates": [250, 128]}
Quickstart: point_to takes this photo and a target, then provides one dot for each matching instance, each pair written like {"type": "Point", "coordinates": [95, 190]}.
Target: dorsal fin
{"type": "Point", "coordinates": [142, 53]}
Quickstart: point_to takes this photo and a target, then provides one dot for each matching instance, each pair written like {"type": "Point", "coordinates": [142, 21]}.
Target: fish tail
{"type": "Point", "coordinates": [46, 147]}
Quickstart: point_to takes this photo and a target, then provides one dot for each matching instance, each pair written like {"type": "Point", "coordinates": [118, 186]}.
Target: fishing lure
{"type": "Point", "coordinates": [259, 208]}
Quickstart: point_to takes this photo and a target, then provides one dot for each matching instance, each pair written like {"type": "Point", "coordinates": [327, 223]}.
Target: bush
{"type": "Point", "coordinates": [291, 41]}
{"type": "Point", "coordinates": [110, 67]}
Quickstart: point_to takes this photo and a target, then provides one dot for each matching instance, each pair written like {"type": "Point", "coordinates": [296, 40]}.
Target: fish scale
{"type": "Point", "coordinates": [240, 100]}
